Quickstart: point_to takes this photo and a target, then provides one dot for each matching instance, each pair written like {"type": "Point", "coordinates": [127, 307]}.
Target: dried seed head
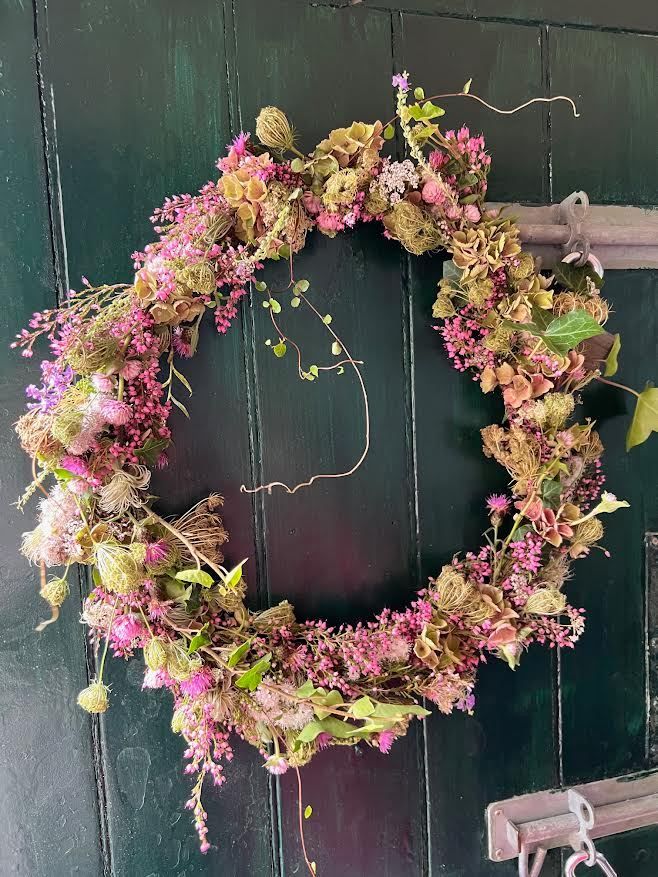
{"type": "Point", "coordinates": [275, 617]}
{"type": "Point", "coordinates": [546, 601]}
{"type": "Point", "coordinates": [118, 568]}
{"type": "Point", "coordinates": [94, 698]}
{"type": "Point", "coordinates": [155, 654]}
{"type": "Point", "coordinates": [273, 129]}
{"type": "Point", "coordinates": [178, 720]}
{"type": "Point", "coordinates": [55, 592]}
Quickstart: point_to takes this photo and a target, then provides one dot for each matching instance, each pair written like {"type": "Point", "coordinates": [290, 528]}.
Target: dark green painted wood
{"type": "Point", "coordinates": [505, 63]}
{"type": "Point", "coordinates": [507, 747]}
{"type": "Point", "coordinates": [611, 152]}
{"type": "Point", "coordinates": [604, 697]}
{"type": "Point", "coordinates": [342, 548]}
{"type": "Point", "coordinates": [47, 784]}
{"type": "Point", "coordinates": [141, 112]}
{"type": "Point", "coordinates": [141, 105]}
{"type": "Point", "coordinates": [637, 15]}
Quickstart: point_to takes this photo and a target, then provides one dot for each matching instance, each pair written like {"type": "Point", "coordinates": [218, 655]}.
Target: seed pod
{"type": "Point", "coordinates": [155, 654]}
{"type": "Point", "coordinates": [273, 129]}
{"type": "Point", "coordinates": [94, 698]}
{"type": "Point", "coordinates": [55, 592]}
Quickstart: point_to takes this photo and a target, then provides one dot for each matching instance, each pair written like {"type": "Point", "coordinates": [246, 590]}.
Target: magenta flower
{"type": "Point", "coordinates": [498, 504]}
{"type": "Point", "coordinates": [156, 552]}
{"type": "Point", "coordinates": [197, 683]}
{"type": "Point", "coordinates": [385, 741]}
{"type": "Point", "coordinates": [276, 764]}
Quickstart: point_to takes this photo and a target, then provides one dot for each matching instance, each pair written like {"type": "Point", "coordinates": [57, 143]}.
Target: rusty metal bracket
{"type": "Point", "coordinates": [532, 824]}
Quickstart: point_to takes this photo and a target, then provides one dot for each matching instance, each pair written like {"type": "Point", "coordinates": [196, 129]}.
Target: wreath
{"type": "Point", "coordinates": [99, 424]}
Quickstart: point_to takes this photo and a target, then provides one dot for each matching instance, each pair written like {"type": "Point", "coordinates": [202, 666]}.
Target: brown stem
{"type": "Point", "coordinates": [619, 386]}
{"type": "Point", "coordinates": [300, 813]}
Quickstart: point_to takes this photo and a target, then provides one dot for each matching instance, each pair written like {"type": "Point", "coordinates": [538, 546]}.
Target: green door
{"type": "Point", "coordinates": [107, 108]}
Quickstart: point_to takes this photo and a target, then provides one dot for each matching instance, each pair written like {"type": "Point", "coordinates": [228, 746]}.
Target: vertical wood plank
{"type": "Point", "coordinates": [611, 151]}
{"type": "Point", "coordinates": [508, 746]}
{"type": "Point", "coordinates": [342, 548]}
{"type": "Point", "coordinates": [47, 782]}
{"type": "Point", "coordinates": [141, 100]}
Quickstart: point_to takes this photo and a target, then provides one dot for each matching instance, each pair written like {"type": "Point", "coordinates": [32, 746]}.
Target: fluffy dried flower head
{"type": "Point", "coordinates": [340, 189]}
{"type": "Point", "coordinates": [415, 229]}
{"type": "Point", "coordinates": [118, 567]}
{"type": "Point", "coordinates": [203, 529]}
{"type": "Point", "coordinates": [274, 130]}
{"type": "Point", "coordinates": [546, 601]}
{"type": "Point", "coordinates": [125, 489]}
{"type": "Point", "coordinates": [155, 654]}
{"type": "Point", "coordinates": [275, 617]}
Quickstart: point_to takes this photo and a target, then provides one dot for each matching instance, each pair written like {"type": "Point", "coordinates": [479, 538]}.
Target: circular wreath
{"type": "Point", "coordinates": [99, 424]}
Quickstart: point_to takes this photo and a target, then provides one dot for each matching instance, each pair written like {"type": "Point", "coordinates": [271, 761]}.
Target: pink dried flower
{"type": "Point", "coordinates": [131, 369]}
{"type": "Point", "coordinates": [115, 412]}
{"type": "Point", "coordinates": [276, 764]}
{"type": "Point", "coordinates": [198, 683]}
{"type": "Point", "coordinates": [102, 383]}
{"type": "Point", "coordinates": [156, 552]}
{"type": "Point", "coordinates": [498, 504]}
{"type": "Point", "coordinates": [385, 741]}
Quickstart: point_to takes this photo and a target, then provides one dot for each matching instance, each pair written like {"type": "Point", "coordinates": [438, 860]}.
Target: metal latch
{"type": "Point", "coordinates": [530, 825]}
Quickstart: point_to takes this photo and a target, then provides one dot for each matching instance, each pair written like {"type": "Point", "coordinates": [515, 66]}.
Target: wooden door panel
{"type": "Point", "coordinates": [141, 106]}
{"type": "Point", "coordinates": [47, 777]}
{"type": "Point", "coordinates": [341, 548]}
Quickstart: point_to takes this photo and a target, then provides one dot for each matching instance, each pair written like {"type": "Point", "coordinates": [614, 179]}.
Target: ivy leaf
{"type": "Point", "coordinates": [551, 493]}
{"type": "Point", "coordinates": [308, 811]}
{"type": "Point", "coordinates": [313, 370]}
{"type": "Point", "coordinates": [309, 732]}
{"type": "Point", "coordinates": [252, 678]}
{"type": "Point", "coordinates": [151, 450]}
{"type": "Point", "coordinates": [362, 708]}
{"type": "Point", "coordinates": [232, 577]}
{"type": "Point", "coordinates": [196, 577]}
{"type": "Point", "coordinates": [566, 332]}
{"type": "Point", "coordinates": [645, 418]}
{"type": "Point", "coordinates": [297, 165]}
{"type": "Point", "coordinates": [574, 278]}
{"type": "Point", "coordinates": [198, 640]}
{"type": "Point", "coordinates": [399, 710]}
{"type": "Point", "coordinates": [389, 132]}
{"type": "Point", "coordinates": [279, 349]}
{"type": "Point", "coordinates": [295, 301]}
{"type": "Point", "coordinates": [301, 286]}
{"type": "Point", "coordinates": [276, 307]}
{"type": "Point", "coordinates": [427, 112]}
{"type": "Point", "coordinates": [608, 504]}
{"type": "Point", "coordinates": [260, 286]}
{"type": "Point", "coordinates": [336, 349]}
{"type": "Point", "coordinates": [419, 93]}
{"type": "Point", "coordinates": [63, 474]}
{"type": "Point", "coordinates": [611, 364]}
{"type": "Point", "coordinates": [238, 654]}
{"type": "Point", "coordinates": [327, 319]}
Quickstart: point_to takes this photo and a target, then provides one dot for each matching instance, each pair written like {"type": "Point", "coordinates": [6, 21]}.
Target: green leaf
{"type": "Point", "coordinates": [327, 319]}
{"type": "Point", "coordinates": [451, 271]}
{"type": "Point", "coordinates": [362, 708]}
{"type": "Point", "coordinates": [467, 86]}
{"type": "Point", "coordinates": [306, 690]}
{"type": "Point", "coordinates": [151, 450]}
{"type": "Point", "coordinates": [266, 303]}
{"type": "Point", "coordinates": [336, 349]}
{"type": "Point", "coordinates": [427, 112]}
{"type": "Point", "coordinates": [566, 332]}
{"type": "Point", "coordinates": [551, 493]}
{"type": "Point", "coordinates": [301, 286]}
{"type": "Point", "coordinates": [608, 504]}
{"type": "Point", "coordinates": [395, 710]}
{"type": "Point", "coordinates": [238, 654]}
{"type": "Point", "coordinates": [268, 343]}
{"type": "Point", "coordinates": [419, 93]}
{"type": "Point", "coordinates": [184, 381]}
{"type": "Point", "coordinates": [260, 286]}
{"type": "Point", "coordinates": [276, 307]}
{"type": "Point", "coordinates": [340, 370]}
{"type": "Point", "coordinates": [96, 577]}
{"type": "Point", "coordinates": [324, 703]}
{"type": "Point", "coordinates": [280, 349]}
{"type": "Point", "coordinates": [252, 678]}
{"type": "Point", "coordinates": [180, 406]}
{"type": "Point", "coordinates": [63, 474]}
{"type": "Point", "coordinates": [196, 577]}
{"type": "Point", "coordinates": [574, 278]}
{"type": "Point", "coordinates": [611, 364]}
{"type": "Point", "coordinates": [308, 811]}
{"type": "Point", "coordinates": [313, 369]}
{"type": "Point", "coordinates": [297, 165]}
{"type": "Point", "coordinates": [309, 732]}
{"type": "Point", "coordinates": [198, 640]}
{"type": "Point", "coordinates": [389, 132]}
{"type": "Point", "coordinates": [645, 418]}
{"type": "Point", "coordinates": [234, 575]}
{"type": "Point", "coordinates": [295, 301]}
{"type": "Point", "coordinates": [469, 199]}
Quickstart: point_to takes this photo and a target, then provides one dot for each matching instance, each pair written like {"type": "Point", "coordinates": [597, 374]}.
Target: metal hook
{"type": "Point", "coordinates": [584, 813]}
{"type": "Point", "coordinates": [580, 858]}
{"type": "Point", "coordinates": [534, 870]}
{"type": "Point", "coordinates": [573, 211]}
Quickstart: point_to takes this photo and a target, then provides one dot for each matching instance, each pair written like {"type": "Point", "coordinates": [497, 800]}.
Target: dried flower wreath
{"type": "Point", "coordinates": [99, 423]}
